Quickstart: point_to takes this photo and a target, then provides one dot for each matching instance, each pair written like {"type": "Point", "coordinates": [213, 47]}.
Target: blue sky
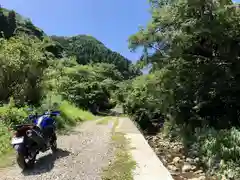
{"type": "Point", "coordinates": [110, 21]}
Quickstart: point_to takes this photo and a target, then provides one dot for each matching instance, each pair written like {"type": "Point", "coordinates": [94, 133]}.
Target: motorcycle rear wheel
{"type": "Point", "coordinates": [21, 161]}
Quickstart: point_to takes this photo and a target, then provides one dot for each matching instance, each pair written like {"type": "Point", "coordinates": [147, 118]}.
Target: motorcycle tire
{"type": "Point", "coordinates": [21, 161]}
{"type": "Point", "coordinates": [54, 146]}
{"type": "Point", "coordinates": [54, 143]}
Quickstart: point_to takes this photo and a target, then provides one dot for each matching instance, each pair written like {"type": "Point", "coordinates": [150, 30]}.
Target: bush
{"type": "Point", "coordinates": [218, 150]}
{"type": "Point", "coordinates": [11, 115]}
{"type": "Point", "coordinates": [149, 98]}
{"type": "Point", "coordinates": [5, 135]}
{"type": "Point", "coordinates": [22, 64]}
{"type": "Point", "coordinates": [88, 86]}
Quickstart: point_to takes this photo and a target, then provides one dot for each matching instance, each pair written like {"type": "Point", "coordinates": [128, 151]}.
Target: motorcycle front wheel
{"type": "Point", "coordinates": [54, 143]}
{"type": "Point", "coordinates": [54, 146]}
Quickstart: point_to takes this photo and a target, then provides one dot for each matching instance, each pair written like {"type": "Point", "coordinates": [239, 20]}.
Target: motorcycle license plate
{"type": "Point", "coordinates": [17, 140]}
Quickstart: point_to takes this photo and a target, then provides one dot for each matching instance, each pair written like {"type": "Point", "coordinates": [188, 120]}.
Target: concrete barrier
{"type": "Point", "coordinates": [149, 166]}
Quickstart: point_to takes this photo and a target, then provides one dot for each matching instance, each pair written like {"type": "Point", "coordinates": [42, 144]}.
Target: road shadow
{"type": "Point", "coordinates": [46, 163]}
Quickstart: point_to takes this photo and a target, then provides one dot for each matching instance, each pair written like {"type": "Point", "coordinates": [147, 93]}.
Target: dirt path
{"type": "Point", "coordinates": [83, 153]}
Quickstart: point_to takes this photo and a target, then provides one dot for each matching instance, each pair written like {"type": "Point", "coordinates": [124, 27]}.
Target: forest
{"type": "Point", "coordinates": [191, 92]}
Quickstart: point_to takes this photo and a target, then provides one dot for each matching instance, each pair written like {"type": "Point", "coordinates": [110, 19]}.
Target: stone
{"type": "Point", "coordinates": [198, 172]}
{"type": "Point", "coordinates": [176, 160]}
{"type": "Point", "coordinates": [193, 168]}
{"type": "Point", "coordinates": [202, 178]}
{"type": "Point", "coordinates": [197, 160]}
{"type": "Point", "coordinates": [198, 178]}
{"type": "Point", "coordinates": [169, 156]}
{"type": "Point", "coordinates": [190, 160]}
{"type": "Point", "coordinates": [172, 168]}
{"type": "Point", "coordinates": [187, 167]}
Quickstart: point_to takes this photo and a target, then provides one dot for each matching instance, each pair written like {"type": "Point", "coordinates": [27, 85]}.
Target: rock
{"type": "Point", "coordinates": [154, 139]}
{"type": "Point", "coordinates": [175, 148]}
{"type": "Point", "coordinates": [172, 168]}
{"type": "Point", "coordinates": [176, 160]}
{"type": "Point", "coordinates": [190, 160]}
{"type": "Point", "coordinates": [187, 167]}
{"type": "Point", "coordinates": [194, 153]}
{"type": "Point", "coordinates": [197, 160]}
{"type": "Point", "coordinates": [169, 156]}
{"type": "Point", "coordinates": [193, 168]}
{"type": "Point", "coordinates": [198, 172]}
{"type": "Point", "coordinates": [199, 178]}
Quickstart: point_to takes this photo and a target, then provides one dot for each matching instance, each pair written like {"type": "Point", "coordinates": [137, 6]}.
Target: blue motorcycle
{"type": "Point", "coordinates": [31, 139]}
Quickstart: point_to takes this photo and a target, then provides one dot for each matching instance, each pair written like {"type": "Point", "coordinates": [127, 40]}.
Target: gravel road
{"type": "Point", "coordinates": [82, 155]}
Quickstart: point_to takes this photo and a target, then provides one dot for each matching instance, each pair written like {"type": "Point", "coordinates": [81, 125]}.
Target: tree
{"type": "Point", "coordinates": [12, 24]}
{"type": "Point", "coordinates": [198, 43]}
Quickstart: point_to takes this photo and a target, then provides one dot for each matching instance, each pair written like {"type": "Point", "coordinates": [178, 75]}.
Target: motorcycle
{"type": "Point", "coordinates": [29, 140]}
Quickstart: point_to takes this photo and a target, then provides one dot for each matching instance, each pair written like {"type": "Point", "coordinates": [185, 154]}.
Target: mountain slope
{"type": "Point", "coordinates": [88, 49]}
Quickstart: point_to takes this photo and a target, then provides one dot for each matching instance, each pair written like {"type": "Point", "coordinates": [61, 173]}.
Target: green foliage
{"type": "Point", "coordinates": [87, 50]}
{"type": "Point", "coordinates": [197, 44]}
{"type": "Point", "coordinates": [5, 135]}
{"type": "Point", "coordinates": [219, 150]}
{"type": "Point", "coordinates": [89, 86]}
{"type": "Point", "coordinates": [13, 24]}
{"type": "Point", "coordinates": [70, 114]}
{"type": "Point", "coordinates": [22, 64]}
{"type": "Point", "coordinates": [193, 48]}
{"type": "Point", "coordinates": [149, 97]}
{"type": "Point", "coordinates": [11, 115]}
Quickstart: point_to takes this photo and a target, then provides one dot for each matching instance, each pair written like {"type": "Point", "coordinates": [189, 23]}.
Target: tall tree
{"type": "Point", "coordinates": [198, 41]}
{"type": "Point", "coordinates": [12, 24]}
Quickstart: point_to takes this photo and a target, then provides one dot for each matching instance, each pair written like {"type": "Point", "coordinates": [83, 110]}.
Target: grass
{"type": "Point", "coordinates": [71, 115]}
{"type": "Point", "coordinates": [121, 168]}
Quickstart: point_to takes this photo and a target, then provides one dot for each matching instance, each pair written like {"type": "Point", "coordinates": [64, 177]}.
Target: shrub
{"type": "Point", "coordinates": [11, 115]}
{"type": "Point", "coordinates": [5, 136]}
{"type": "Point", "coordinates": [219, 150]}
{"type": "Point", "coordinates": [22, 64]}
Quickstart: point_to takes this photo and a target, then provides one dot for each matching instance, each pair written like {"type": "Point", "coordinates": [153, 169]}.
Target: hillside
{"type": "Point", "coordinates": [87, 50]}
{"type": "Point", "coordinates": [39, 64]}
{"type": "Point", "coordinates": [13, 23]}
